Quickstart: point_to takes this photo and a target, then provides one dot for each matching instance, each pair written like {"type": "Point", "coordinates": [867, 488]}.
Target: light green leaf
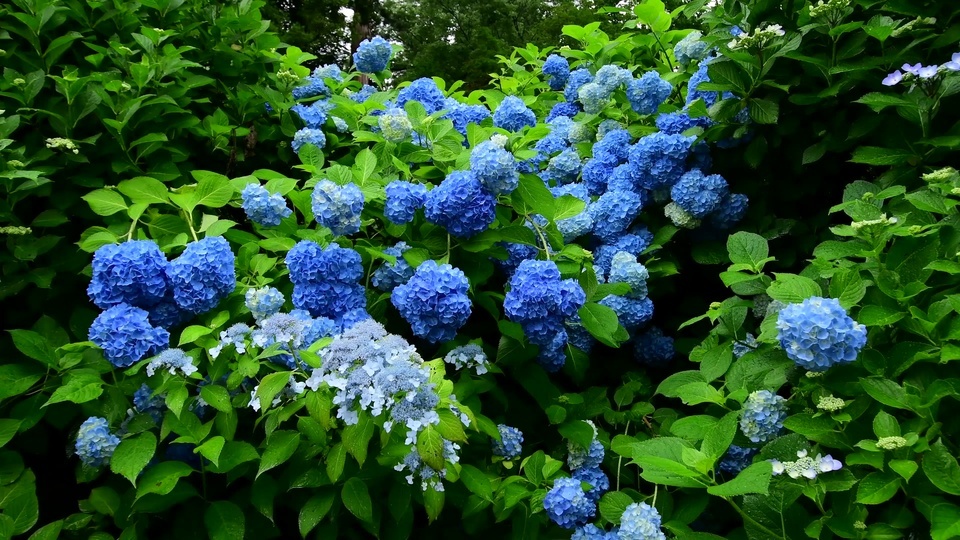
{"type": "Point", "coordinates": [213, 190]}
{"type": "Point", "coordinates": [132, 455]}
{"type": "Point", "coordinates": [793, 289]}
{"type": "Point", "coordinates": [430, 448]}
{"type": "Point", "coordinates": [162, 477]}
{"type": "Point", "coordinates": [212, 448]}
{"type": "Point", "coordinates": [753, 479]}
{"type": "Point", "coordinates": [105, 202]}
{"type": "Point", "coordinates": [145, 190]}
{"type": "Point", "coordinates": [35, 346]}
{"type": "Point", "coordinates": [336, 459]}
{"type": "Point", "coordinates": [612, 505]}
{"type": "Point", "coordinates": [747, 248]}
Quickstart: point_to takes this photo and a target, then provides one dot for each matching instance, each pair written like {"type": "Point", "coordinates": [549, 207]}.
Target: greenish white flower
{"type": "Point", "coordinates": [830, 403]}
{"type": "Point", "coordinates": [891, 443]}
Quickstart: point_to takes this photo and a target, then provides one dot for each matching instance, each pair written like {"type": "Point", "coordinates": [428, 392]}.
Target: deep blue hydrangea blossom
{"type": "Point", "coordinates": [633, 242]}
{"type": "Point", "coordinates": [567, 505]}
{"type": "Point", "coordinates": [562, 109]}
{"type": "Point", "coordinates": [263, 302]}
{"type": "Point", "coordinates": [133, 273]}
{"type": "Point", "coordinates": [613, 148]}
{"type": "Point", "coordinates": [516, 254]}
{"type": "Point", "coordinates": [596, 478]}
{"type": "Point", "coordinates": [95, 443]}
{"type": "Point", "coordinates": [690, 48]}
{"type": "Point", "coordinates": [613, 213]}
{"type": "Point", "coordinates": [308, 136]}
{"type": "Point", "coordinates": [389, 276]}
{"type": "Point", "coordinates": [626, 177]}
{"type": "Point", "coordinates": [495, 167]}
{"type": "Point", "coordinates": [513, 115]}
{"type": "Point", "coordinates": [737, 459]}
{"type": "Point", "coordinates": [640, 521]}
{"type": "Point", "coordinates": [763, 416]}
{"type": "Point", "coordinates": [263, 208]}
{"type": "Point", "coordinates": [557, 70]}
{"type": "Point", "coordinates": [372, 55]}
{"type": "Point", "coordinates": [145, 402]}
{"type": "Point", "coordinates": [403, 201]}
{"type": "Point", "coordinates": [731, 210]}
{"type": "Point", "coordinates": [126, 336]}
{"type": "Point", "coordinates": [653, 348]}
{"type": "Point", "coordinates": [203, 274]}
{"type": "Point", "coordinates": [577, 79]}
{"type": "Point", "coordinates": [337, 207]}
{"type": "Point", "coordinates": [699, 194]}
{"type": "Point", "coordinates": [509, 446]}
{"type": "Point", "coordinates": [596, 175]}
{"type": "Point", "coordinates": [462, 114]}
{"type": "Point", "coordinates": [315, 114]}
{"type": "Point", "coordinates": [818, 334]}
{"type": "Point", "coordinates": [461, 205]}
{"type": "Point", "coordinates": [310, 87]}
{"type": "Point", "coordinates": [425, 91]}
{"type": "Point", "coordinates": [167, 313]}
{"type": "Point", "coordinates": [325, 281]}
{"type": "Point", "coordinates": [648, 92]}
{"type": "Point", "coordinates": [632, 313]}
{"type": "Point", "coordinates": [660, 159]}
{"type": "Point", "coordinates": [434, 301]}
{"type": "Point", "coordinates": [677, 122]}
{"type": "Point", "coordinates": [395, 125]}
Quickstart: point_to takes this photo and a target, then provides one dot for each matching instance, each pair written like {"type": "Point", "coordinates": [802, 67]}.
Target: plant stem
{"type": "Point", "coordinates": [133, 227]}
{"type": "Point", "coordinates": [620, 459]}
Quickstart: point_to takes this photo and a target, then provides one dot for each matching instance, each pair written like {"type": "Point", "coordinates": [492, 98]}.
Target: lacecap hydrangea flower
{"type": "Point", "coordinates": [567, 505]}
{"type": "Point", "coordinates": [806, 466]}
{"type": "Point", "coordinates": [763, 416]}
{"type": "Point", "coordinates": [263, 302]}
{"type": "Point", "coordinates": [126, 335]}
{"type": "Point", "coordinates": [557, 70]}
{"type": "Point", "coordinates": [95, 443]}
{"type": "Point", "coordinates": [391, 275]}
{"type": "Point", "coordinates": [513, 115]}
{"type": "Point", "coordinates": [640, 521]}
{"type": "Point", "coordinates": [818, 334]}
{"type": "Point", "coordinates": [509, 446]}
{"type": "Point", "coordinates": [132, 273]}
{"type": "Point", "coordinates": [469, 356]}
{"type": "Point", "coordinates": [434, 301]}
{"type": "Point", "coordinates": [372, 55]}
{"type": "Point", "coordinates": [495, 167]}
{"type": "Point", "coordinates": [262, 207]}
{"type": "Point", "coordinates": [337, 207]}
{"type": "Point", "coordinates": [395, 125]}
{"type": "Point", "coordinates": [461, 205]}
{"type": "Point", "coordinates": [172, 360]}
{"type": "Point", "coordinates": [203, 274]}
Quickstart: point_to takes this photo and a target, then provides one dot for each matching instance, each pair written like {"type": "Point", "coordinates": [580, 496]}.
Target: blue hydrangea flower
{"type": "Point", "coordinates": [690, 48]}
{"type": "Point", "coordinates": [145, 402]}
{"type": "Point", "coordinates": [461, 205]}
{"type": "Point", "coordinates": [607, 126]}
{"type": "Point", "coordinates": [562, 108]}
{"type": "Point", "coordinates": [263, 302]}
{"type": "Point", "coordinates": [648, 92]}
{"type": "Point", "coordinates": [593, 97]}
{"type": "Point", "coordinates": [363, 94]}
{"type": "Point", "coordinates": [516, 254]}
{"type": "Point", "coordinates": [167, 313]}
{"type": "Point", "coordinates": [596, 478]}
{"type": "Point", "coordinates": [495, 167]}
{"type": "Point", "coordinates": [308, 136]}
{"type": "Point", "coordinates": [631, 312]}
{"type": "Point", "coordinates": [699, 194]}
{"type": "Point", "coordinates": [580, 224]}
{"type": "Point", "coordinates": [578, 78]}
{"type": "Point", "coordinates": [737, 459]}
{"type": "Point", "coordinates": [709, 97]}
{"type": "Point", "coordinates": [624, 268]}
{"type": "Point", "coordinates": [612, 77]}
{"type": "Point", "coordinates": [308, 262]}
{"type": "Point", "coordinates": [640, 521]}
{"type": "Point", "coordinates": [125, 335]}
{"type": "Point", "coordinates": [579, 458]}
{"type": "Point", "coordinates": [132, 272]}
{"type": "Point", "coordinates": [818, 334]}
{"type": "Point", "coordinates": [634, 242]}
{"type": "Point", "coordinates": [567, 505]}
{"type": "Point", "coordinates": [539, 301]}
{"type": "Point", "coordinates": [263, 208]}
{"type": "Point", "coordinates": [425, 91]}
{"type": "Point", "coordinates": [337, 207]}
{"type": "Point", "coordinates": [403, 201]}
{"type": "Point", "coordinates": [580, 132]}
{"type": "Point", "coordinates": [513, 115]}
{"type": "Point", "coordinates": [95, 443]}
{"type": "Point", "coordinates": [434, 301]}
{"type": "Point", "coordinates": [592, 532]}
{"type": "Point", "coordinates": [235, 335]}
{"type": "Point", "coordinates": [741, 348]}
{"type": "Point", "coordinates": [613, 213]}
{"type": "Point", "coordinates": [203, 274]}
{"type": "Point", "coordinates": [310, 87]}
{"type": "Point", "coordinates": [315, 114]}
{"type": "Point", "coordinates": [613, 148]}
{"type": "Point", "coordinates": [564, 167]}
{"type": "Point", "coordinates": [509, 447]}
{"type": "Point", "coordinates": [372, 55]}
{"type": "Point", "coordinates": [596, 174]}
{"type": "Point", "coordinates": [462, 114]}
{"type": "Point", "coordinates": [731, 210]}
{"type": "Point", "coordinates": [660, 159]}
{"type": "Point", "coordinates": [626, 177]}
{"type": "Point", "coordinates": [172, 360]}
{"type": "Point", "coordinates": [677, 122]}
{"type": "Point", "coordinates": [469, 356]}
{"type": "Point", "coordinates": [389, 276]}
{"type": "Point", "coordinates": [395, 125]}
{"type": "Point", "coordinates": [557, 70]}
{"type": "Point", "coordinates": [578, 336]}
{"type": "Point", "coordinates": [652, 348]}
{"type": "Point", "coordinates": [331, 299]}
{"type": "Point", "coordinates": [329, 71]}
{"type": "Point", "coordinates": [763, 416]}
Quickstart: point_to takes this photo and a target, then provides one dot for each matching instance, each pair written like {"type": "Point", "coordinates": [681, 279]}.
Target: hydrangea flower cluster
{"type": "Point", "coordinates": [395, 125]}
{"type": "Point", "coordinates": [434, 301]}
{"type": "Point", "coordinates": [596, 478]}
{"type": "Point", "coordinates": [818, 334]}
{"type": "Point", "coordinates": [424, 91]}
{"type": "Point", "coordinates": [202, 275]}
{"type": "Point", "coordinates": [326, 280]}
{"type": "Point", "coordinates": [653, 348]}
{"type": "Point", "coordinates": [690, 48]}
{"type": "Point", "coordinates": [172, 360]}
{"type": "Point", "coordinates": [495, 167]}
{"type": "Point", "coordinates": [263, 302]}
{"type": "Point", "coordinates": [293, 332]}
{"type": "Point", "coordinates": [588, 458]}
{"type": "Point", "coordinates": [648, 92]}
{"type": "Point", "coordinates": [372, 55]}
{"type": "Point", "coordinates": [806, 466]}
{"type": "Point", "coordinates": [748, 344]}
{"type": "Point", "coordinates": [763, 416]}
{"type": "Point", "coordinates": [640, 521]}
{"type": "Point", "coordinates": [126, 335]}
{"type": "Point", "coordinates": [235, 335]}
{"type": "Point", "coordinates": [567, 505]}
{"type": "Point", "coordinates": [513, 115]}
{"type": "Point", "coordinates": [403, 201]}
{"type": "Point", "coordinates": [337, 207]}
{"type": "Point", "coordinates": [592, 532]}
{"type": "Point", "coordinates": [540, 302]}
{"type": "Point", "coordinates": [469, 356]}
{"type": "Point", "coordinates": [391, 275]}
{"type": "Point", "coordinates": [699, 194]}
{"type": "Point", "coordinates": [461, 205]}
{"type": "Point", "coordinates": [557, 70]}
{"type": "Point", "coordinates": [262, 207]}
{"type": "Point", "coordinates": [308, 135]}
{"type": "Point", "coordinates": [95, 443]}
{"type": "Point", "coordinates": [737, 459]}
{"type": "Point", "coordinates": [132, 273]}
{"type": "Point", "coordinates": [509, 446]}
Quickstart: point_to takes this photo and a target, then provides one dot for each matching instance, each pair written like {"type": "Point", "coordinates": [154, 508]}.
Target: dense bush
{"type": "Point", "coordinates": [437, 312]}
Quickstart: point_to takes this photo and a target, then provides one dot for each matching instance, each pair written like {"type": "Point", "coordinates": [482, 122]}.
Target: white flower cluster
{"type": "Point", "coordinates": [758, 38]}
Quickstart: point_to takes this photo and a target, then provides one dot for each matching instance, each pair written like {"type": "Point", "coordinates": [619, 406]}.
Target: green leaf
{"type": "Point", "coordinates": [105, 500]}
{"type": "Point", "coordinates": [579, 432]}
{"type": "Point", "coordinates": [35, 346]}
{"type": "Point", "coordinates": [366, 165]}
{"type": "Point", "coordinates": [105, 202]}
{"type": "Point", "coordinates": [314, 510]}
{"type": "Point", "coordinates": [753, 479]}
{"type": "Point", "coordinates": [162, 477]}
{"type": "Point", "coordinates": [336, 459]}
{"type": "Point", "coordinates": [793, 289]}
{"type": "Point", "coordinates": [280, 447]}
{"type": "Point", "coordinates": [8, 429]}
{"type": "Point", "coordinates": [16, 379]}
{"type": "Point", "coordinates": [477, 482]}
{"type": "Point", "coordinates": [433, 503]}
{"type": "Point", "coordinates": [533, 197]}
{"type": "Point", "coordinates": [312, 156]}
{"type": "Point", "coordinates": [50, 531]}
{"type": "Point", "coordinates": [356, 498]}
{"type": "Point", "coordinates": [235, 453]}
{"type": "Point", "coordinates": [601, 322]}
{"type": "Point", "coordinates": [877, 487]}
{"type": "Point", "coordinates": [213, 190]}
{"type": "Point", "coordinates": [885, 425]}
{"type": "Point", "coordinates": [270, 386]}
{"type": "Point", "coordinates": [217, 397]}
{"type": "Point", "coordinates": [941, 468]}
{"type": "Point", "coordinates": [568, 206]}
{"type": "Point", "coordinates": [904, 467]}
{"type": "Point", "coordinates": [612, 505]}
{"type": "Point", "coordinates": [357, 437]}
{"type": "Point", "coordinates": [764, 111]}
{"type": "Point", "coordinates": [132, 455]}
{"type": "Point", "coordinates": [224, 521]}
{"type": "Point", "coordinates": [212, 448]}
{"type": "Point", "coordinates": [873, 155]}
{"type": "Point", "coordinates": [874, 315]}
{"type": "Point", "coordinates": [945, 522]}
{"type": "Point", "coordinates": [192, 333]}
{"type": "Point", "coordinates": [430, 448]}
{"type": "Point", "coordinates": [886, 391]}
{"type": "Point", "coordinates": [145, 190]}
{"type": "Point", "coordinates": [747, 248]}
{"type": "Point", "coordinates": [78, 390]}
{"type": "Point", "coordinates": [717, 440]}
{"type": "Point", "coordinates": [848, 287]}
